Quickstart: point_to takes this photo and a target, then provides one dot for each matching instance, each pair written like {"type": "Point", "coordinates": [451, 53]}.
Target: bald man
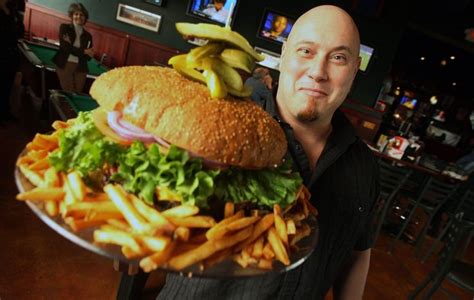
{"type": "Point", "coordinates": [318, 65]}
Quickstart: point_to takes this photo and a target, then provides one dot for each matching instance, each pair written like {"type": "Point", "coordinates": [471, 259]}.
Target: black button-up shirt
{"type": "Point", "coordinates": [343, 186]}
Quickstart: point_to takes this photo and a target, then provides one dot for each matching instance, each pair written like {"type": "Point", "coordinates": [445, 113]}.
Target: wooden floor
{"type": "Point", "coordinates": [37, 263]}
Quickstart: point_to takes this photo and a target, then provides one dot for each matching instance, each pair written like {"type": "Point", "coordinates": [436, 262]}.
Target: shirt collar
{"type": "Point", "coordinates": [342, 137]}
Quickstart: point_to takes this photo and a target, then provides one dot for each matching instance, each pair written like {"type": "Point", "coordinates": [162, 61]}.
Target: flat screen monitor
{"type": "Point", "coordinates": [214, 11]}
{"type": "Point", "coordinates": [366, 54]}
{"type": "Point", "coordinates": [275, 26]}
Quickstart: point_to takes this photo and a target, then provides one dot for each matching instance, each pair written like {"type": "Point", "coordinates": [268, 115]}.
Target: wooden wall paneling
{"type": "Point", "coordinates": [42, 22]}
{"type": "Point", "coordinates": [110, 42]}
{"type": "Point", "coordinates": [143, 52]}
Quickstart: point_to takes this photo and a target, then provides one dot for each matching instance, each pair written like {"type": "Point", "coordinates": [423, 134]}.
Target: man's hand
{"type": "Point", "coordinates": [351, 281]}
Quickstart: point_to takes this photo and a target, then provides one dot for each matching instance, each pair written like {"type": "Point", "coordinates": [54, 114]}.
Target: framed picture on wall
{"type": "Point", "coordinates": [155, 2]}
{"type": "Point", "coordinates": [138, 17]}
{"type": "Point", "coordinates": [275, 26]}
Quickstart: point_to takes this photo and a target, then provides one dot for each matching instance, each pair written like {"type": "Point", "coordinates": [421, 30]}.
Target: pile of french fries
{"type": "Point", "coordinates": [174, 238]}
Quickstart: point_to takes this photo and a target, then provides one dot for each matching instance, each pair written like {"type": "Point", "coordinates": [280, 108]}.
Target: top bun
{"type": "Point", "coordinates": [233, 131]}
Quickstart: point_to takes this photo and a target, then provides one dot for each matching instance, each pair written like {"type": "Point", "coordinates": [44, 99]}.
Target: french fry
{"type": "Point", "coordinates": [42, 194]}
{"type": "Point", "coordinates": [51, 208]}
{"type": "Point", "coordinates": [278, 246]}
{"type": "Point", "coordinates": [207, 249]}
{"type": "Point", "coordinates": [154, 243]}
{"type": "Point", "coordinates": [132, 216]}
{"type": "Point", "coordinates": [155, 260]}
{"type": "Point", "coordinates": [290, 227]}
{"type": "Point", "coordinates": [40, 164]}
{"type": "Point", "coordinates": [119, 224]}
{"type": "Point", "coordinates": [78, 224]}
{"type": "Point", "coordinates": [257, 250]}
{"type": "Point", "coordinates": [129, 253]}
{"type": "Point", "coordinates": [69, 197]}
{"type": "Point", "coordinates": [182, 234]}
{"type": "Point", "coordinates": [241, 260]}
{"type": "Point", "coordinates": [228, 209]}
{"type": "Point", "coordinates": [77, 186]}
{"type": "Point", "coordinates": [154, 217]}
{"type": "Point", "coordinates": [261, 226]}
{"type": "Point", "coordinates": [219, 229]}
{"type": "Point", "coordinates": [268, 251]}
{"type": "Point", "coordinates": [181, 211]}
{"type": "Point", "coordinates": [99, 215]}
{"type": "Point", "coordinates": [81, 209]}
{"type": "Point", "coordinates": [117, 237]}
{"type": "Point", "coordinates": [34, 177]}
{"type": "Point", "coordinates": [51, 178]}
{"type": "Point", "coordinates": [242, 223]}
{"type": "Point", "coordinates": [24, 160]}
{"type": "Point", "coordinates": [303, 231]}
{"type": "Point", "coordinates": [194, 221]}
{"type": "Point", "coordinates": [280, 225]}
{"type": "Point", "coordinates": [264, 264]}
{"type": "Point", "coordinates": [38, 154]}
{"type": "Point", "coordinates": [198, 238]}
{"type": "Point", "coordinates": [59, 125]}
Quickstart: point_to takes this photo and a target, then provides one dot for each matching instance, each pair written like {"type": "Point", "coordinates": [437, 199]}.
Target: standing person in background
{"type": "Point", "coordinates": [11, 29]}
{"type": "Point", "coordinates": [319, 62]}
{"type": "Point", "coordinates": [75, 49]}
{"type": "Point", "coordinates": [261, 84]}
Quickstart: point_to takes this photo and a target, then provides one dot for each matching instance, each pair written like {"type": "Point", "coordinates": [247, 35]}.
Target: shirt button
{"type": "Point", "coordinates": [361, 209]}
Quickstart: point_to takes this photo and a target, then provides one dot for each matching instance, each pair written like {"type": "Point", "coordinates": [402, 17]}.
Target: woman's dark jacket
{"type": "Point", "coordinates": [66, 48]}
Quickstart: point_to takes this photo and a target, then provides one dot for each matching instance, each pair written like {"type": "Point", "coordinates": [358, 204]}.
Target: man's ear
{"type": "Point", "coordinates": [359, 60]}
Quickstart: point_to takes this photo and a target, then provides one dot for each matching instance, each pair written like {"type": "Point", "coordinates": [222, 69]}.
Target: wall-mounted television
{"type": "Point", "coordinates": [366, 54]}
{"type": "Point", "coordinates": [275, 26]}
{"type": "Point", "coordinates": [155, 2]}
{"type": "Point", "coordinates": [408, 102]}
{"type": "Point", "coordinates": [214, 11]}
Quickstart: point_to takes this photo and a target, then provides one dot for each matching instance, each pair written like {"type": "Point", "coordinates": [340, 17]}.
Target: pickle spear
{"type": "Point", "coordinates": [230, 76]}
{"type": "Point", "coordinates": [215, 84]}
{"type": "Point", "coordinates": [217, 33]}
{"type": "Point", "coordinates": [238, 59]}
{"type": "Point", "coordinates": [197, 54]}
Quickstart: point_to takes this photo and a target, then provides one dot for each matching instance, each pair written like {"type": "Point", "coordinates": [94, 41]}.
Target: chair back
{"type": "Point", "coordinates": [436, 191]}
{"type": "Point", "coordinates": [466, 205]}
{"type": "Point", "coordinates": [392, 177]}
{"type": "Point", "coordinates": [453, 240]}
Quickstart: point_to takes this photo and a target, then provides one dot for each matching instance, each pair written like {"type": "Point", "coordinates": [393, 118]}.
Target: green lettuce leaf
{"type": "Point", "coordinates": [264, 187]}
{"type": "Point", "coordinates": [82, 147]}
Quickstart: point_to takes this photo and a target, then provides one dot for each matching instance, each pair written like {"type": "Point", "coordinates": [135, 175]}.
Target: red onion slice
{"type": "Point", "coordinates": [113, 119]}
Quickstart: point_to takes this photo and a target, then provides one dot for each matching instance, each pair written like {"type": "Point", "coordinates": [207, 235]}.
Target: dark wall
{"type": "Point", "coordinates": [383, 36]}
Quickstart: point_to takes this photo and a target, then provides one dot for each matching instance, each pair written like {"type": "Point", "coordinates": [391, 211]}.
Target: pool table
{"type": "Point", "coordinates": [40, 54]}
{"type": "Point", "coordinates": [67, 105]}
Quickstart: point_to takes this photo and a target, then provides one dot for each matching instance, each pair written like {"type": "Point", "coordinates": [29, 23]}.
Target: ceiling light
{"type": "Point", "coordinates": [422, 58]}
{"type": "Point", "coordinates": [452, 57]}
{"type": "Point", "coordinates": [443, 62]}
{"type": "Point", "coordinates": [397, 92]}
{"type": "Point", "coordinates": [433, 100]}
{"type": "Point", "coordinates": [454, 83]}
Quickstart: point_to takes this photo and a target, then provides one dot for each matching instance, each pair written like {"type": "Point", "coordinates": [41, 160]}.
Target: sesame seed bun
{"type": "Point", "coordinates": [232, 131]}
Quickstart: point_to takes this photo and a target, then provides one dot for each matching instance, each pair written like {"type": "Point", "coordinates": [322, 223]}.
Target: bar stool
{"type": "Point", "coordinates": [392, 179]}
{"type": "Point", "coordinates": [466, 206]}
{"type": "Point", "coordinates": [432, 196]}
